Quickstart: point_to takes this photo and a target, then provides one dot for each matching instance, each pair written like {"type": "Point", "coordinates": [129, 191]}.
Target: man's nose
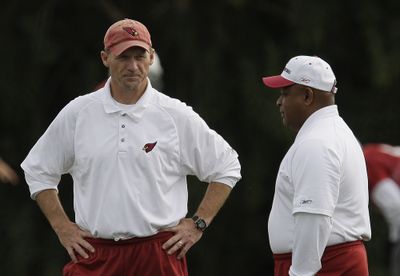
{"type": "Point", "coordinates": [132, 64]}
{"type": "Point", "coordinates": [279, 101]}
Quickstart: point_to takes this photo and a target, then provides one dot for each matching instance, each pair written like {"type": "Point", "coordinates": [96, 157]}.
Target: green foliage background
{"type": "Point", "coordinates": [214, 54]}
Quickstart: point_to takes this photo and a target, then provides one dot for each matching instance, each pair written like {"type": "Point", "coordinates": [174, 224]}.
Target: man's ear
{"type": "Point", "coordinates": [308, 96]}
{"type": "Point", "coordinates": [104, 58]}
{"type": "Point", "coordinates": [152, 55]}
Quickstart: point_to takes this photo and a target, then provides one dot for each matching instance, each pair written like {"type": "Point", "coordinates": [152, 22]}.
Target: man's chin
{"type": "Point", "coordinates": [132, 82]}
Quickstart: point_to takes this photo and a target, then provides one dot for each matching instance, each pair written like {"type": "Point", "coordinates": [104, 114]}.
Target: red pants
{"type": "Point", "coordinates": [137, 256]}
{"type": "Point", "coordinates": [346, 259]}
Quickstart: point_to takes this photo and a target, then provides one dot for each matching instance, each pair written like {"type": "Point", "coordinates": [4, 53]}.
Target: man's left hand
{"type": "Point", "coordinates": [186, 235]}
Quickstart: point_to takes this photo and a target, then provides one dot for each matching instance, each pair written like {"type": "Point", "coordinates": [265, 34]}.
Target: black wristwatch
{"type": "Point", "coordinates": [200, 223]}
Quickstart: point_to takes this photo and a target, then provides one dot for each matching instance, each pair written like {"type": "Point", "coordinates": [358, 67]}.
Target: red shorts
{"type": "Point", "coordinates": [137, 256]}
{"type": "Point", "coordinates": [345, 259]}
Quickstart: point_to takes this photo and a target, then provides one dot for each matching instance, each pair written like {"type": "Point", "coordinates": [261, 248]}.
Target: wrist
{"type": "Point", "coordinates": [199, 223]}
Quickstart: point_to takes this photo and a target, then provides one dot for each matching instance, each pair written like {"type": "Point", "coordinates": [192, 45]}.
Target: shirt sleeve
{"type": "Point", "coordinates": [206, 154]}
{"type": "Point", "coordinates": [316, 178]}
{"type": "Point", "coordinates": [52, 155]}
{"type": "Point", "coordinates": [310, 239]}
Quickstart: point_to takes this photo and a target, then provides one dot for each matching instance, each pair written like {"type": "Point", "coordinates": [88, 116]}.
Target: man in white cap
{"type": "Point", "coordinates": [129, 149]}
{"type": "Point", "coordinates": [319, 215]}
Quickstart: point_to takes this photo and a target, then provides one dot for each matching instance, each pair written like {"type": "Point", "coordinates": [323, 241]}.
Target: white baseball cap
{"type": "Point", "coordinates": [310, 71]}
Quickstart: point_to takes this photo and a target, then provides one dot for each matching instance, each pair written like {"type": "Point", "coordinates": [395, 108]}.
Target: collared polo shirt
{"type": "Point", "coordinates": [129, 166]}
{"type": "Point", "coordinates": [323, 173]}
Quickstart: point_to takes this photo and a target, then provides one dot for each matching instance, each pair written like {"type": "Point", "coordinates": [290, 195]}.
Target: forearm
{"type": "Point", "coordinates": [51, 207]}
{"type": "Point", "coordinates": [312, 232]}
{"type": "Point", "coordinates": [186, 233]}
{"type": "Point", "coordinates": [7, 174]}
{"type": "Point", "coordinates": [69, 234]}
{"type": "Point", "coordinates": [213, 200]}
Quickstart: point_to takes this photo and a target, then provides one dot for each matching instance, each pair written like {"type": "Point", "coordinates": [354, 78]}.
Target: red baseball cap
{"type": "Point", "coordinates": [126, 33]}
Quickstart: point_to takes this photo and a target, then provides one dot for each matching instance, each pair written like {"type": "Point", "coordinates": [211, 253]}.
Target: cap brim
{"type": "Point", "coordinates": [276, 81]}
{"type": "Point", "coordinates": [120, 47]}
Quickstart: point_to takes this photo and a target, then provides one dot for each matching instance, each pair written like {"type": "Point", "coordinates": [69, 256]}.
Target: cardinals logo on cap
{"type": "Point", "coordinates": [130, 31]}
{"type": "Point", "coordinates": [149, 147]}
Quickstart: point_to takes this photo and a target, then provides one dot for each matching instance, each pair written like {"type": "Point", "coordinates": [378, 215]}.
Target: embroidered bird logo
{"type": "Point", "coordinates": [149, 147]}
{"type": "Point", "coordinates": [130, 31]}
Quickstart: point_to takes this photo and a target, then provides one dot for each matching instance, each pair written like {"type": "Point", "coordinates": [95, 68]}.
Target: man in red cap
{"type": "Point", "coordinates": [319, 216]}
{"type": "Point", "coordinates": [129, 149]}
{"type": "Point", "coordinates": [383, 166]}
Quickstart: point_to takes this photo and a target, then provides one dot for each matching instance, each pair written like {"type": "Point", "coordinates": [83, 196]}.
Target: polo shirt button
{"type": "Point", "coordinates": [123, 126]}
{"type": "Point", "coordinates": [123, 114]}
{"type": "Point", "coordinates": [122, 139]}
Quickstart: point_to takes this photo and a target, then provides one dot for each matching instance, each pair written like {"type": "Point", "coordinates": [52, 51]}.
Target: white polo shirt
{"type": "Point", "coordinates": [129, 167]}
{"type": "Point", "coordinates": [323, 173]}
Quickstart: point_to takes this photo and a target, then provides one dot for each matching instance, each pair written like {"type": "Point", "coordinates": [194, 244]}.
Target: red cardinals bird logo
{"type": "Point", "coordinates": [130, 31]}
{"type": "Point", "coordinates": [149, 147]}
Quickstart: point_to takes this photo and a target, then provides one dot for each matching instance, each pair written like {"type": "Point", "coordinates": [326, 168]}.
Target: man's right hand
{"type": "Point", "coordinates": [72, 238]}
{"type": "Point", "coordinates": [70, 235]}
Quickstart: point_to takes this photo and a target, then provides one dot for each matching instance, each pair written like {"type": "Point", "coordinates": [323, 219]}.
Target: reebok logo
{"type": "Point", "coordinates": [149, 147]}
{"type": "Point", "coordinates": [305, 201]}
{"type": "Point", "coordinates": [305, 80]}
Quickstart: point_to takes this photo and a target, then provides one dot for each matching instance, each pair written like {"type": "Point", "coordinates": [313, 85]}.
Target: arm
{"type": "Point", "coordinates": [316, 180]}
{"type": "Point", "coordinates": [205, 154]}
{"type": "Point", "coordinates": [386, 195]}
{"type": "Point", "coordinates": [213, 200]}
{"type": "Point", "coordinates": [7, 174]}
{"type": "Point", "coordinates": [69, 234]}
{"type": "Point", "coordinates": [311, 236]}
{"type": "Point", "coordinates": [186, 233]}
{"type": "Point", "coordinates": [52, 156]}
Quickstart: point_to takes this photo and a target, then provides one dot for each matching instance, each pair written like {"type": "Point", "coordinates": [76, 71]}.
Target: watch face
{"type": "Point", "coordinates": [201, 224]}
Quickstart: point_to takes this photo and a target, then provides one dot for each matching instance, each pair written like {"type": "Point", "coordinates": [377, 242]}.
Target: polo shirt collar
{"type": "Point", "coordinates": [325, 112]}
{"type": "Point", "coordinates": [136, 111]}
